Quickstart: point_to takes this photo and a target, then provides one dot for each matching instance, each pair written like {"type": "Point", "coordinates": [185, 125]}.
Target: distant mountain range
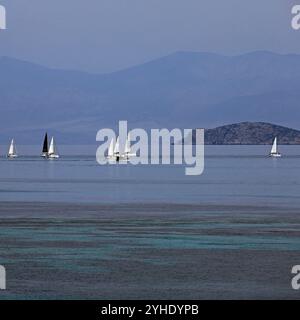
{"type": "Point", "coordinates": [253, 133]}
{"type": "Point", "coordinates": [185, 90]}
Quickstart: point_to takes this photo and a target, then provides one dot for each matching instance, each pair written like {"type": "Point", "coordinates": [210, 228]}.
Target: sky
{"type": "Point", "coordinates": [108, 35]}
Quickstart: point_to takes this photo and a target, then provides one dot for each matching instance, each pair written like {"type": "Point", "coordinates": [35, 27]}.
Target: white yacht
{"type": "Point", "coordinates": [127, 151]}
{"type": "Point", "coordinates": [110, 154]}
{"type": "Point", "coordinates": [274, 151]}
{"type": "Point", "coordinates": [52, 153]}
{"type": "Point", "coordinates": [114, 152]}
{"type": "Point", "coordinates": [12, 151]}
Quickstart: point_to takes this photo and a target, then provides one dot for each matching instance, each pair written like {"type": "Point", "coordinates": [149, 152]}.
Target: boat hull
{"type": "Point", "coordinates": [121, 157]}
{"type": "Point", "coordinates": [275, 155]}
{"type": "Point", "coordinates": [50, 156]}
{"type": "Point", "coordinates": [53, 156]}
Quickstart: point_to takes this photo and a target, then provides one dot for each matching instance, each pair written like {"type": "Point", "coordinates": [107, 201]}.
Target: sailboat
{"type": "Point", "coordinates": [274, 151]}
{"type": "Point", "coordinates": [117, 150]}
{"type": "Point", "coordinates": [127, 151]}
{"type": "Point", "coordinates": [52, 153]}
{"type": "Point", "coordinates": [49, 152]}
{"type": "Point", "coordinates": [45, 147]}
{"type": "Point", "coordinates": [110, 154]}
{"type": "Point", "coordinates": [114, 152]}
{"type": "Point", "coordinates": [12, 151]}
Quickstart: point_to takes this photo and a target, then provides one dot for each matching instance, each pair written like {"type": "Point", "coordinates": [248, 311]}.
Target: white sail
{"type": "Point", "coordinates": [12, 152]}
{"type": "Point", "coordinates": [274, 147]}
{"type": "Point", "coordinates": [52, 147]}
{"type": "Point", "coordinates": [117, 146]}
{"type": "Point", "coordinates": [111, 148]}
{"type": "Point", "coordinates": [52, 153]}
{"type": "Point", "coordinates": [128, 145]}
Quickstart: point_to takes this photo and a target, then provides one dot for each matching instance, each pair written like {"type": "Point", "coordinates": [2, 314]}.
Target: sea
{"type": "Point", "coordinates": [74, 229]}
{"type": "Point", "coordinates": [232, 175]}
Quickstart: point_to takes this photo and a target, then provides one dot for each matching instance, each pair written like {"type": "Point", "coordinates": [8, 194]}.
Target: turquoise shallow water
{"type": "Point", "coordinates": [83, 258]}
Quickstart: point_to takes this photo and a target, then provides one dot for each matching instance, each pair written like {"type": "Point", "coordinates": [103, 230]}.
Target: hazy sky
{"type": "Point", "coordinates": [106, 35]}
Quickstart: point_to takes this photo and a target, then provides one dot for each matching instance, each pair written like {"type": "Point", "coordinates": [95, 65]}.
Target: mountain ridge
{"type": "Point", "coordinates": [184, 90]}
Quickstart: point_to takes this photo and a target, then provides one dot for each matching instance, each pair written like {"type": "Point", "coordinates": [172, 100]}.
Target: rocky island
{"type": "Point", "coordinates": [250, 133]}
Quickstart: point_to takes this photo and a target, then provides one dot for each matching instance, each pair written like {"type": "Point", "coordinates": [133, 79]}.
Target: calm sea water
{"type": "Point", "coordinates": [233, 175]}
{"type": "Point", "coordinates": [160, 250]}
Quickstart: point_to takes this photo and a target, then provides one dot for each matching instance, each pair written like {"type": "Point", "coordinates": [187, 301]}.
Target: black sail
{"type": "Point", "coordinates": [45, 145]}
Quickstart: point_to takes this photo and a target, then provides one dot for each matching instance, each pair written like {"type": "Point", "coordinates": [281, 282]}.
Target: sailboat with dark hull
{"type": "Point", "coordinates": [45, 147]}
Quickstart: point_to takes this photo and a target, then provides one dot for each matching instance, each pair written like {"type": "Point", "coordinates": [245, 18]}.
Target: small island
{"type": "Point", "coordinates": [250, 133]}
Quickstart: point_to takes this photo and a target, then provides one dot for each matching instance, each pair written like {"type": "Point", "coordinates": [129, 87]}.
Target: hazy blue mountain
{"type": "Point", "coordinates": [181, 90]}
